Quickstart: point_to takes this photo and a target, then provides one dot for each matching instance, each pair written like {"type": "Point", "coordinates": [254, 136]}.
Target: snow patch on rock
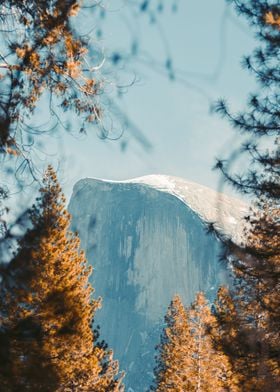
{"type": "Point", "coordinates": [224, 212]}
{"type": "Point", "coordinates": [146, 240]}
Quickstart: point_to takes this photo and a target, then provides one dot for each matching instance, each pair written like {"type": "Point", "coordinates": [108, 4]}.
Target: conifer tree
{"type": "Point", "coordinates": [244, 341]}
{"type": "Point", "coordinates": [47, 309]}
{"type": "Point", "coordinates": [210, 369]}
{"type": "Point", "coordinates": [173, 356]}
{"type": "Point", "coordinates": [249, 314]}
{"type": "Point", "coordinates": [256, 265]}
{"type": "Point", "coordinates": [189, 357]}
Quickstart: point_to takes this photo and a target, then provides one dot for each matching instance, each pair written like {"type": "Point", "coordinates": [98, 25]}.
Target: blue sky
{"type": "Point", "coordinates": [205, 41]}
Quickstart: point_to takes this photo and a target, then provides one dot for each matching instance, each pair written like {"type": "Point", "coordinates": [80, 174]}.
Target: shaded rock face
{"type": "Point", "coordinates": [145, 246]}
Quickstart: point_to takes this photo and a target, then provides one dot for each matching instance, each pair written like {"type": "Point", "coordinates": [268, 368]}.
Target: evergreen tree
{"type": "Point", "coordinates": [47, 309]}
{"type": "Point", "coordinates": [260, 120]}
{"type": "Point", "coordinates": [256, 265]}
{"type": "Point", "coordinates": [244, 338]}
{"type": "Point", "coordinates": [210, 368]}
{"type": "Point", "coordinates": [249, 314]}
{"type": "Point", "coordinates": [189, 357]}
{"type": "Point", "coordinates": [173, 356]}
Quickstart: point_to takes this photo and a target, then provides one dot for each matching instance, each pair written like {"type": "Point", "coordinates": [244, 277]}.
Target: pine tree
{"type": "Point", "coordinates": [240, 339]}
{"type": "Point", "coordinates": [258, 296]}
{"type": "Point", "coordinates": [173, 357]}
{"type": "Point", "coordinates": [249, 314]}
{"type": "Point", "coordinates": [256, 265]}
{"type": "Point", "coordinates": [190, 357]}
{"type": "Point", "coordinates": [260, 119]}
{"type": "Point", "coordinates": [47, 309]}
{"type": "Point", "coordinates": [210, 368]}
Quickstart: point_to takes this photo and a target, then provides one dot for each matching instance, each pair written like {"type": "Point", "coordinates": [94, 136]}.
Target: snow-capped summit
{"type": "Point", "coordinates": [226, 213]}
{"type": "Point", "coordinates": [147, 240]}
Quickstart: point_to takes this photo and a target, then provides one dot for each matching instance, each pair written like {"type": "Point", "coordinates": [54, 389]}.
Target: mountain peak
{"type": "Point", "coordinates": [224, 212]}
{"type": "Point", "coordinates": [147, 241]}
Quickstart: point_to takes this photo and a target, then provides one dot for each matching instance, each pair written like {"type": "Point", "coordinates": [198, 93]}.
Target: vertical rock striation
{"type": "Point", "coordinates": [147, 241]}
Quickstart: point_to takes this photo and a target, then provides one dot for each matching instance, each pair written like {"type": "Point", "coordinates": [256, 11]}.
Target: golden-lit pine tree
{"type": "Point", "coordinates": [190, 357]}
{"type": "Point", "coordinates": [210, 368]}
{"type": "Point", "coordinates": [173, 357]}
{"type": "Point", "coordinates": [47, 343]}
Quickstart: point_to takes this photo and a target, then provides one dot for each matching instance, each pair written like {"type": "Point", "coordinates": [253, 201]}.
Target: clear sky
{"type": "Point", "coordinates": [205, 40]}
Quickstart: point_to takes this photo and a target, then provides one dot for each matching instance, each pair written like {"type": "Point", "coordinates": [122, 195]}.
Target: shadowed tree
{"type": "Point", "coordinates": [260, 120]}
{"type": "Point", "coordinates": [243, 338]}
{"type": "Point", "coordinates": [47, 309]}
{"type": "Point", "coordinates": [251, 309]}
{"type": "Point", "coordinates": [256, 265]}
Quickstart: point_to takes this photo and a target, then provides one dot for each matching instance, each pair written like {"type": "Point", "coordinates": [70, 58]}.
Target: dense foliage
{"type": "Point", "coordinates": [189, 358]}
{"type": "Point", "coordinates": [245, 324]}
{"type": "Point", "coordinates": [254, 347]}
{"type": "Point", "coordinates": [47, 309]}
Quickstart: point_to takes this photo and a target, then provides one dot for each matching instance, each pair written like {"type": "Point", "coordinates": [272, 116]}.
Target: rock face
{"type": "Point", "coordinates": [146, 240]}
